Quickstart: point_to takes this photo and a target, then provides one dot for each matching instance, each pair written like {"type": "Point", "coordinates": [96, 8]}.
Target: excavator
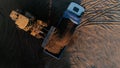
{"type": "Point", "coordinates": [54, 38]}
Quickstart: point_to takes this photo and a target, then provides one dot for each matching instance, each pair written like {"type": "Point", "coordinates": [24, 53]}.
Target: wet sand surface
{"type": "Point", "coordinates": [95, 43]}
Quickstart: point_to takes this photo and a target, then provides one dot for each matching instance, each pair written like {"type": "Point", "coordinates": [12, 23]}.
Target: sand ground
{"type": "Point", "coordinates": [95, 43]}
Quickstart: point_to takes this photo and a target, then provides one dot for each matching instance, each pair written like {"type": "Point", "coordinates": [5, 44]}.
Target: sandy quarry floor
{"type": "Point", "coordinates": [95, 43]}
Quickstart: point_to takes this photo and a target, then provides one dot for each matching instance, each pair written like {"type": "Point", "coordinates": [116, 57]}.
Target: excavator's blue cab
{"type": "Point", "coordinates": [75, 8]}
{"type": "Point", "coordinates": [73, 12]}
